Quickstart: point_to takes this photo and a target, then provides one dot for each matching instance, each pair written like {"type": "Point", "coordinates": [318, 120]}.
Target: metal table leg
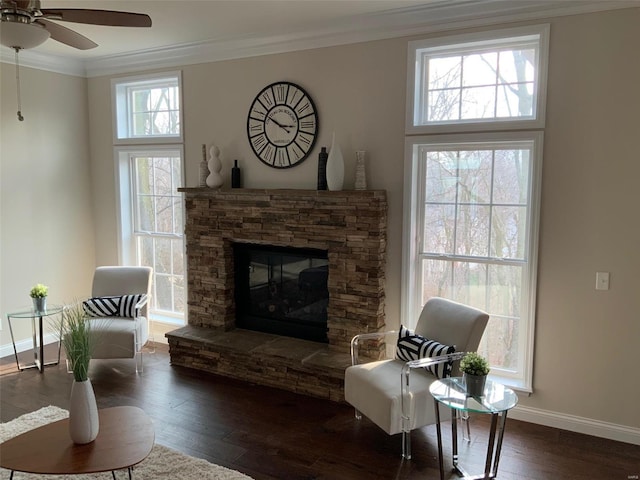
{"type": "Point", "coordinates": [439, 432]}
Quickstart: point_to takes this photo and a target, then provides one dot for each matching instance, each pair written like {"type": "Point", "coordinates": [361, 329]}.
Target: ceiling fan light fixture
{"type": "Point", "coordinates": [22, 35]}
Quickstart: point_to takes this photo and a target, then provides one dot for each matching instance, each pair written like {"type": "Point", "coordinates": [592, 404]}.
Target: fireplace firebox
{"type": "Point", "coordinates": [282, 290]}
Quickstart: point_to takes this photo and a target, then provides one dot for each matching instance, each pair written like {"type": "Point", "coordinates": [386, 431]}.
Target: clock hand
{"type": "Point", "coordinates": [284, 127]}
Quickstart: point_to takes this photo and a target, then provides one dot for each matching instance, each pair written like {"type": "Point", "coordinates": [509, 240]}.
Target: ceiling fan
{"type": "Point", "coordinates": [26, 25]}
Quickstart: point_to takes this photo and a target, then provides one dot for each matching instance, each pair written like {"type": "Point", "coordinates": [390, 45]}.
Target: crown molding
{"type": "Point", "coordinates": [39, 61]}
{"type": "Point", "coordinates": [432, 17]}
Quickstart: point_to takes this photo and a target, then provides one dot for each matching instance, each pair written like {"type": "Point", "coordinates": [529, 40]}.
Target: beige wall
{"type": "Point", "coordinates": [46, 231]}
{"type": "Point", "coordinates": [586, 340]}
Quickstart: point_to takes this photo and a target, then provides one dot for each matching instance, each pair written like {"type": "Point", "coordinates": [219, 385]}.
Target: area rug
{"type": "Point", "coordinates": [161, 463]}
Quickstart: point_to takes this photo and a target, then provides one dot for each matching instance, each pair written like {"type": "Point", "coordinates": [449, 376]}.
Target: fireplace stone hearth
{"type": "Point", "coordinates": [349, 225]}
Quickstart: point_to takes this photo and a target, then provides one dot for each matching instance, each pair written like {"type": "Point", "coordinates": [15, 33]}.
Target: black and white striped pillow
{"type": "Point", "coordinates": [120, 306]}
{"type": "Point", "coordinates": [413, 347]}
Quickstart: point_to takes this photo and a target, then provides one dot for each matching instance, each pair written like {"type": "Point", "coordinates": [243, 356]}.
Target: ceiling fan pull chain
{"type": "Point", "coordinates": [20, 117]}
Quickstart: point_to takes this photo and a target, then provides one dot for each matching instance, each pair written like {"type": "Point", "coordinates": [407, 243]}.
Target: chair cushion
{"type": "Point", "coordinates": [414, 347]}
{"type": "Point", "coordinates": [374, 389]}
{"type": "Point", "coordinates": [117, 337]}
{"type": "Point", "coordinates": [115, 306]}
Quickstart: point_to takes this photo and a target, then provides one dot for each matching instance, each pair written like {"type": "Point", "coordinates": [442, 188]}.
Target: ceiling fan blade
{"type": "Point", "coordinates": [67, 36]}
{"type": "Point", "coordinates": [98, 17]}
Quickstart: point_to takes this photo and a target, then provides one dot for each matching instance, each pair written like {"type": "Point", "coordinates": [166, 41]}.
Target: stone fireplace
{"type": "Point", "coordinates": [350, 226]}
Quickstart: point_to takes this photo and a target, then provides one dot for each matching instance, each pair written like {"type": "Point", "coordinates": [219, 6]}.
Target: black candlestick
{"type": "Point", "coordinates": [322, 169]}
{"type": "Point", "coordinates": [235, 175]}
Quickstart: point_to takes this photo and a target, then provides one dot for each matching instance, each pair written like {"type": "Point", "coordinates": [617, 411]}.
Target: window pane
{"type": "Point", "coordinates": [500, 343]}
{"type": "Point", "coordinates": [164, 293]}
{"type": "Point", "coordinates": [480, 69]}
{"type": "Point", "coordinates": [505, 290]}
{"type": "Point", "coordinates": [474, 173]}
{"type": "Point", "coordinates": [511, 176]}
{"type": "Point", "coordinates": [145, 250]}
{"type": "Point", "coordinates": [162, 173]}
{"type": "Point", "coordinates": [164, 215]}
{"type": "Point", "coordinates": [439, 223]}
{"type": "Point", "coordinates": [178, 222]}
{"type": "Point", "coordinates": [444, 72]}
{"type": "Point", "coordinates": [179, 294]}
{"type": "Point", "coordinates": [177, 254]}
{"type": "Point", "coordinates": [508, 226]}
{"type": "Point", "coordinates": [442, 105]}
{"type": "Point", "coordinates": [163, 258]}
{"type": "Point", "coordinates": [144, 175]}
{"type": "Point", "coordinates": [470, 284]}
{"type": "Point", "coordinates": [517, 65]}
{"type": "Point", "coordinates": [442, 178]}
{"type": "Point", "coordinates": [478, 102]}
{"type": "Point", "coordinates": [436, 279]}
{"type": "Point", "coordinates": [472, 230]}
{"type": "Point", "coordinates": [146, 218]}
{"type": "Point", "coordinates": [515, 100]}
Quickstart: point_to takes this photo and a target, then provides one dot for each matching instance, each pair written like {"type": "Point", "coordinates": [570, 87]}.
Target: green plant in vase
{"type": "Point", "coordinates": [39, 294]}
{"type": "Point", "coordinates": [78, 341]}
{"type": "Point", "coordinates": [475, 369]}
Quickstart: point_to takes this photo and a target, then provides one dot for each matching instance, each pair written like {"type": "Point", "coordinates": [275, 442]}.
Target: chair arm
{"type": "Point", "coordinates": [404, 379]}
{"type": "Point", "coordinates": [355, 342]}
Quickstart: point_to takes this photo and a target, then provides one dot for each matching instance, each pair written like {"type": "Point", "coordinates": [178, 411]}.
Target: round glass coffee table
{"type": "Point", "coordinates": [496, 401]}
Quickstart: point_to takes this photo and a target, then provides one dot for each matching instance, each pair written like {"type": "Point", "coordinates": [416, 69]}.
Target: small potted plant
{"type": "Point", "coordinates": [475, 369]}
{"type": "Point", "coordinates": [39, 294]}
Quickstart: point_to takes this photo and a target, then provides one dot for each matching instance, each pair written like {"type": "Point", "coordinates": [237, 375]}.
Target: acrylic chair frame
{"type": "Point", "coordinates": [405, 382]}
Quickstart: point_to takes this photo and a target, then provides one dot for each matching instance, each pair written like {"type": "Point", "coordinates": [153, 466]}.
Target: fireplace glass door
{"type": "Point", "coordinates": [282, 290]}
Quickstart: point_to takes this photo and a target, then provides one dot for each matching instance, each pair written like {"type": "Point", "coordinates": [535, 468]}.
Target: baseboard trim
{"type": "Point", "coordinates": [573, 423]}
{"type": "Point", "coordinates": [26, 344]}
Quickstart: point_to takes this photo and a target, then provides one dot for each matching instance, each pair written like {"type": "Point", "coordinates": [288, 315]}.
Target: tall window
{"type": "Point", "coordinates": [150, 170]}
{"type": "Point", "coordinates": [472, 198]}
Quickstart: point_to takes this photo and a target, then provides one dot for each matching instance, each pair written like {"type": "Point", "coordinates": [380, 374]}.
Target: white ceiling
{"type": "Point", "coordinates": [190, 31]}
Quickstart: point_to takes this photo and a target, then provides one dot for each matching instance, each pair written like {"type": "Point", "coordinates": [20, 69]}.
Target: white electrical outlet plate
{"type": "Point", "coordinates": [602, 280]}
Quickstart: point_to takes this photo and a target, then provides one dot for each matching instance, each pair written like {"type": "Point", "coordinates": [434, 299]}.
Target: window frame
{"type": "Point", "coordinates": [122, 113]}
{"type": "Point", "coordinates": [126, 212]}
{"type": "Point", "coordinates": [414, 204]}
{"type": "Point", "coordinates": [470, 42]}
{"type": "Point", "coordinates": [475, 131]}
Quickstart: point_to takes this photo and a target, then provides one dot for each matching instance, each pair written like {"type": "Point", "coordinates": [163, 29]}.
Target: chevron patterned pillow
{"type": "Point", "coordinates": [116, 306]}
{"type": "Point", "coordinates": [413, 347]}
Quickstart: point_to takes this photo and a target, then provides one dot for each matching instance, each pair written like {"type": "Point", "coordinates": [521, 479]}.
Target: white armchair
{"type": "Point", "coordinates": [394, 394]}
{"type": "Point", "coordinates": [122, 336]}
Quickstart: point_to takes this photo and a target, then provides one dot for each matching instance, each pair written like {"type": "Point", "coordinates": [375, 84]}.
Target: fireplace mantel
{"type": "Point", "coordinates": [350, 225]}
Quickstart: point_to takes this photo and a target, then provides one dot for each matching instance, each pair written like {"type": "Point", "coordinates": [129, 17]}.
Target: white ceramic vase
{"type": "Point", "coordinates": [335, 167]}
{"type": "Point", "coordinates": [83, 413]}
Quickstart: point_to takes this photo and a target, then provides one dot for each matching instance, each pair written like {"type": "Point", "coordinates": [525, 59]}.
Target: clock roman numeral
{"type": "Point", "coordinates": [309, 124]}
{"type": "Point", "coordinates": [302, 138]}
{"type": "Point", "coordinates": [282, 157]}
{"type": "Point", "coordinates": [294, 152]}
{"type": "Point", "coordinates": [280, 93]}
{"type": "Point", "coordinates": [259, 142]}
{"type": "Point", "coordinates": [267, 99]}
{"type": "Point", "coordinates": [303, 107]}
{"type": "Point", "coordinates": [268, 154]}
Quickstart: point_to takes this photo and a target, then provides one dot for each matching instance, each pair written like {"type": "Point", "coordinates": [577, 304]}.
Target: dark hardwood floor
{"type": "Point", "coordinates": [271, 434]}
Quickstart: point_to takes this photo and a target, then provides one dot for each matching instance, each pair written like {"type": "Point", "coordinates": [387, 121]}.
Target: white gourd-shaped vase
{"type": "Point", "coordinates": [214, 180]}
{"type": "Point", "coordinates": [83, 413]}
{"type": "Point", "coordinates": [335, 167]}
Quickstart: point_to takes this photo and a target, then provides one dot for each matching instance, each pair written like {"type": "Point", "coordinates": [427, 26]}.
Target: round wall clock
{"type": "Point", "coordinates": [282, 125]}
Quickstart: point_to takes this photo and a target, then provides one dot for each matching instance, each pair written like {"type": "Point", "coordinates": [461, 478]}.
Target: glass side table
{"type": "Point", "coordinates": [497, 400]}
{"type": "Point", "coordinates": [38, 347]}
